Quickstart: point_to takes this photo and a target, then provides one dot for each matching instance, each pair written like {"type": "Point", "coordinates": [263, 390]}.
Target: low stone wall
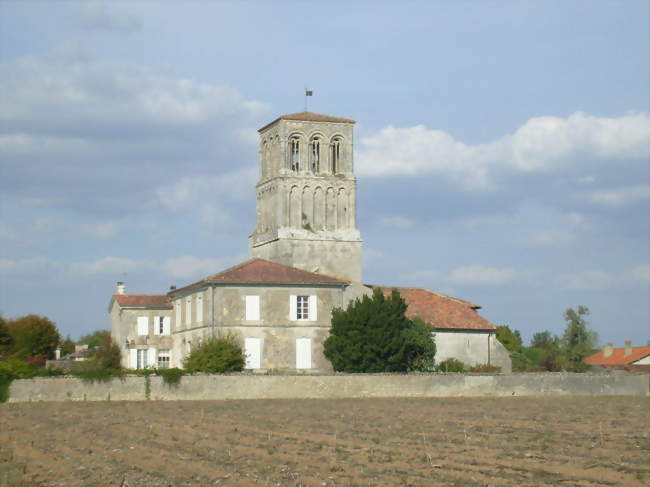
{"type": "Point", "coordinates": [246, 386]}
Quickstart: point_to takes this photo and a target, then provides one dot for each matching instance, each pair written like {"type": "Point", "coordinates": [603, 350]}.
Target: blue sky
{"type": "Point", "coordinates": [502, 148]}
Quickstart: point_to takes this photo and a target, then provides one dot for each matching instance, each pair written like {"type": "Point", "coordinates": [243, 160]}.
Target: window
{"type": "Point", "coordinates": [252, 308]}
{"type": "Point", "coordinates": [303, 353]}
{"type": "Point", "coordinates": [302, 308]}
{"type": "Point", "coordinates": [162, 325]}
{"type": "Point", "coordinates": [253, 347]}
{"type": "Point", "coordinates": [163, 358]}
{"type": "Point", "coordinates": [188, 311]}
{"type": "Point", "coordinates": [141, 359]}
{"type": "Point", "coordinates": [293, 153]}
{"type": "Point", "coordinates": [335, 155]}
{"type": "Point", "coordinates": [178, 314]}
{"type": "Point", "coordinates": [199, 308]}
{"type": "Point", "coordinates": [314, 155]}
{"type": "Point", "coordinates": [143, 325]}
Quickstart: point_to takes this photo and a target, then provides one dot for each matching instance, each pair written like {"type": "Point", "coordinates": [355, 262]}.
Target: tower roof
{"type": "Point", "coordinates": [309, 117]}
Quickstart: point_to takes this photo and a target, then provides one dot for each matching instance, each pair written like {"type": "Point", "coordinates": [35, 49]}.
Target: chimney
{"type": "Point", "coordinates": [120, 288]}
{"type": "Point", "coordinates": [628, 348]}
{"type": "Point", "coordinates": [172, 288]}
{"type": "Point", "coordinates": [57, 353]}
{"type": "Point", "coordinates": [608, 349]}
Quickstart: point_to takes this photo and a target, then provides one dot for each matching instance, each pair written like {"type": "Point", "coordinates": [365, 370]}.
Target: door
{"type": "Point", "coordinates": [303, 353]}
{"type": "Point", "coordinates": [253, 348]}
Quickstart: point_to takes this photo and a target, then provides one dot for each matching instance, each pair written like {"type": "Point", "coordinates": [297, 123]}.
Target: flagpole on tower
{"type": "Point", "coordinates": [307, 93]}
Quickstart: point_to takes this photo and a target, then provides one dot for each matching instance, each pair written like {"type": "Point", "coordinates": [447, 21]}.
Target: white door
{"type": "Point", "coordinates": [253, 348]}
{"type": "Point", "coordinates": [303, 353]}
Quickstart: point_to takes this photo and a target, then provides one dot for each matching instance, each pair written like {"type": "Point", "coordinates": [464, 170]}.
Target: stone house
{"type": "Point", "coordinates": [306, 259]}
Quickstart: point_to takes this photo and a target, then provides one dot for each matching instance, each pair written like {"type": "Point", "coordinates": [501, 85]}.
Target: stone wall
{"type": "Point", "coordinates": [250, 386]}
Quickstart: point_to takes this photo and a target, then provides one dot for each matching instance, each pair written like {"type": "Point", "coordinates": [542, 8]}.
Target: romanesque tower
{"type": "Point", "coordinates": [306, 196]}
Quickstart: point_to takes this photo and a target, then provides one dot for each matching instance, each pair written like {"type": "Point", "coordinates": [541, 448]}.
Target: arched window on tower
{"type": "Point", "coordinates": [293, 153]}
{"type": "Point", "coordinates": [314, 154]}
{"type": "Point", "coordinates": [335, 155]}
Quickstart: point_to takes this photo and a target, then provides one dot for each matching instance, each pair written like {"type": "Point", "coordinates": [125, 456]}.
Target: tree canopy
{"type": "Point", "coordinates": [95, 339]}
{"type": "Point", "coordinates": [578, 341]}
{"type": "Point", "coordinates": [33, 336]}
{"type": "Point", "coordinates": [216, 355]}
{"type": "Point", "coordinates": [373, 334]}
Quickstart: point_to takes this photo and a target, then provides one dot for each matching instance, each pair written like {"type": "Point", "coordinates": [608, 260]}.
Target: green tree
{"type": "Point", "coordinates": [373, 334]}
{"type": "Point", "coordinates": [509, 338]}
{"type": "Point", "coordinates": [34, 336]}
{"type": "Point", "coordinates": [6, 340]}
{"type": "Point", "coordinates": [108, 356]}
{"type": "Point", "coordinates": [578, 341]}
{"type": "Point", "coordinates": [217, 355]}
{"type": "Point", "coordinates": [542, 339]}
{"type": "Point", "coordinates": [94, 339]}
{"type": "Point", "coordinates": [67, 346]}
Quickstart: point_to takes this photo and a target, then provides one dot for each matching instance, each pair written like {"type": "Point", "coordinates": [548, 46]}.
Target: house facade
{"type": "Point", "coordinates": [306, 260]}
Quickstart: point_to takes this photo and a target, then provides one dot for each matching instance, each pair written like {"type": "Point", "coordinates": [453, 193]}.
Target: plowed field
{"type": "Point", "coordinates": [425, 442]}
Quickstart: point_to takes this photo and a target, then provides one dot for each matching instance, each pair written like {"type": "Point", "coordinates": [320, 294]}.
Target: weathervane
{"type": "Point", "coordinates": [307, 93]}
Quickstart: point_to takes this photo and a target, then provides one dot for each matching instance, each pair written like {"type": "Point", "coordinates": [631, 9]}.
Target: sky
{"type": "Point", "coordinates": [502, 148]}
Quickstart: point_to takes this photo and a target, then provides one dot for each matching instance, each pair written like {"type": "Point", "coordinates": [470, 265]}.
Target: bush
{"type": "Point", "coordinates": [373, 334]}
{"type": "Point", "coordinates": [108, 356]}
{"type": "Point", "coordinates": [171, 377]}
{"type": "Point", "coordinates": [485, 368]}
{"type": "Point", "coordinates": [451, 365]}
{"type": "Point", "coordinates": [216, 355]}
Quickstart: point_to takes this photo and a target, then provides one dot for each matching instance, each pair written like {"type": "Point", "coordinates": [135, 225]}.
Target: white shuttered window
{"type": "Point", "coordinates": [151, 358]}
{"type": "Point", "coordinates": [252, 308]}
{"type": "Point", "coordinates": [303, 353]}
{"type": "Point", "coordinates": [253, 350]}
{"type": "Point", "coordinates": [312, 308]}
{"type": "Point", "coordinates": [188, 311]}
{"type": "Point", "coordinates": [143, 325]}
{"type": "Point", "coordinates": [167, 325]}
{"type": "Point", "coordinates": [199, 308]}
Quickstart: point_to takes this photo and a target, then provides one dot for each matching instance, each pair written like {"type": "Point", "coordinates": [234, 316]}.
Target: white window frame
{"type": "Point", "coordinates": [179, 314]}
{"type": "Point", "coordinates": [167, 325]}
{"type": "Point", "coordinates": [142, 325]}
{"type": "Point", "coordinates": [188, 311]}
{"type": "Point", "coordinates": [142, 358]}
{"type": "Point", "coordinates": [199, 308]}
{"type": "Point", "coordinates": [302, 308]}
{"type": "Point", "coordinates": [166, 355]}
{"type": "Point", "coordinates": [252, 308]}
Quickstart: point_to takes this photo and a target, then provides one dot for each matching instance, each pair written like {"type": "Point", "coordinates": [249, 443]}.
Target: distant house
{"type": "Point", "coordinates": [632, 359]}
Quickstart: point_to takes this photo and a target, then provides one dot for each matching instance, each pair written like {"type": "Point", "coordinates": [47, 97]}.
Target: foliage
{"type": "Point", "coordinates": [509, 338]}
{"type": "Point", "coordinates": [542, 339]}
{"type": "Point", "coordinates": [90, 374]}
{"type": "Point", "coordinates": [451, 365]}
{"type": "Point", "coordinates": [172, 376]}
{"type": "Point", "coordinates": [219, 354]}
{"type": "Point", "coordinates": [95, 339]}
{"type": "Point", "coordinates": [522, 363]}
{"type": "Point", "coordinates": [578, 341]}
{"type": "Point", "coordinates": [6, 340]}
{"type": "Point", "coordinates": [485, 368]}
{"type": "Point", "coordinates": [108, 355]}
{"type": "Point", "coordinates": [374, 335]}
{"type": "Point", "coordinates": [14, 368]}
{"type": "Point", "coordinates": [67, 346]}
{"type": "Point", "coordinates": [34, 336]}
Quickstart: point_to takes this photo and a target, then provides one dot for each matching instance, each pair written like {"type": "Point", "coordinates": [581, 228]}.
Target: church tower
{"type": "Point", "coordinates": [306, 196]}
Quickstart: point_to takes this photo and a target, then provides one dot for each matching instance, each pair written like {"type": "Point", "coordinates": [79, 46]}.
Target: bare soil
{"type": "Point", "coordinates": [568, 441]}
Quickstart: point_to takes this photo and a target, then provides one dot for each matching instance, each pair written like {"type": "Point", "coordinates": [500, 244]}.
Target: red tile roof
{"type": "Point", "coordinates": [443, 312]}
{"type": "Point", "coordinates": [260, 271]}
{"type": "Point", "coordinates": [618, 356]}
{"type": "Point", "coordinates": [158, 301]}
{"type": "Point", "coordinates": [309, 117]}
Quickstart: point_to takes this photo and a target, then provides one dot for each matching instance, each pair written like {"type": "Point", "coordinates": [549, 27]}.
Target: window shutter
{"type": "Point", "coordinates": [313, 315]}
{"type": "Point", "coordinates": [252, 308]}
{"type": "Point", "coordinates": [133, 358]}
{"type": "Point", "coordinates": [167, 325]}
{"type": "Point", "coordinates": [151, 357]}
{"type": "Point", "coordinates": [293, 305]}
{"type": "Point", "coordinates": [143, 325]}
{"type": "Point", "coordinates": [156, 325]}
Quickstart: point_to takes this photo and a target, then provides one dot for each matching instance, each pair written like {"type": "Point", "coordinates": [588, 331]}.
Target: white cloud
{"type": "Point", "coordinates": [542, 144]}
{"type": "Point", "coordinates": [640, 273]}
{"type": "Point", "coordinates": [96, 15]}
{"type": "Point", "coordinates": [491, 220]}
{"type": "Point", "coordinates": [98, 229]}
{"type": "Point", "coordinates": [587, 280]}
{"type": "Point", "coordinates": [399, 222]}
{"type": "Point", "coordinates": [620, 197]}
{"type": "Point", "coordinates": [585, 180]}
{"type": "Point", "coordinates": [479, 275]}
{"type": "Point", "coordinates": [107, 266]}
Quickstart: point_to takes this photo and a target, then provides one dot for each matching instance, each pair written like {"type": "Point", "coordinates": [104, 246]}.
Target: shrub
{"type": "Point", "coordinates": [451, 365]}
{"type": "Point", "coordinates": [373, 334]}
{"type": "Point", "coordinates": [217, 355]}
{"type": "Point", "coordinates": [171, 377]}
{"type": "Point", "coordinates": [17, 369]}
{"type": "Point", "coordinates": [90, 374]}
{"type": "Point", "coordinates": [108, 356]}
{"type": "Point", "coordinates": [34, 336]}
{"type": "Point", "coordinates": [485, 368]}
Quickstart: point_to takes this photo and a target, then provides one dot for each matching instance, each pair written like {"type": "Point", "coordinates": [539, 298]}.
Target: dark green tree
{"type": "Point", "coordinates": [578, 341]}
{"type": "Point", "coordinates": [6, 340]}
{"type": "Point", "coordinates": [542, 339]}
{"type": "Point", "coordinates": [373, 334]}
{"type": "Point", "coordinates": [94, 339]}
{"type": "Point", "coordinates": [509, 338]}
{"type": "Point", "coordinates": [217, 355]}
{"type": "Point", "coordinates": [108, 356]}
{"type": "Point", "coordinates": [34, 336]}
{"type": "Point", "coordinates": [67, 346]}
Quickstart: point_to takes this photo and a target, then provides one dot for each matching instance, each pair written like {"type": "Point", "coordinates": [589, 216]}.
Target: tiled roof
{"type": "Point", "coordinates": [443, 312]}
{"type": "Point", "coordinates": [158, 301]}
{"type": "Point", "coordinates": [618, 356]}
{"type": "Point", "coordinates": [260, 271]}
{"type": "Point", "coordinates": [309, 117]}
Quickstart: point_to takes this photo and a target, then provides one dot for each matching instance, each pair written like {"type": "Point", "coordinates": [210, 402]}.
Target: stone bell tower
{"type": "Point", "coordinates": [306, 196]}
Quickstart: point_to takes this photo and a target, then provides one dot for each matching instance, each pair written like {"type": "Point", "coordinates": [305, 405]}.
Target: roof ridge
{"type": "Point", "coordinates": [437, 293]}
